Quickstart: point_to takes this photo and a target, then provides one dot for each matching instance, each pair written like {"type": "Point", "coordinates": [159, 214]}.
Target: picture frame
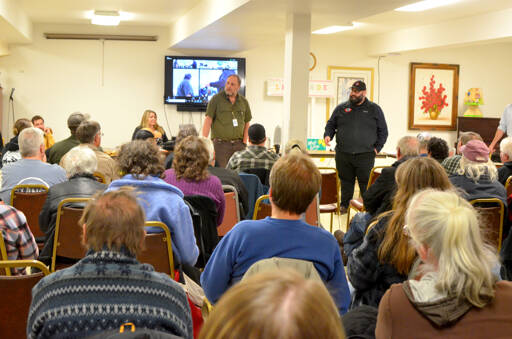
{"type": "Point", "coordinates": [343, 78]}
{"type": "Point", "coordinates": [433, 96]}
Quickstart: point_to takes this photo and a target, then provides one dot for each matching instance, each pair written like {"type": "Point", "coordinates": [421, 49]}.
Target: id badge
{"type": "Point", "coordinates": [235, 123]}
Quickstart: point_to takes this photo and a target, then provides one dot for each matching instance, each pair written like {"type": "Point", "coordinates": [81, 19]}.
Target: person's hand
{"type": "Point", "coordinates": [491, 148]}
{"type": "Point", "coordinates": [327, 140]}
{"type": "Point", "coordinates": [48, 130]}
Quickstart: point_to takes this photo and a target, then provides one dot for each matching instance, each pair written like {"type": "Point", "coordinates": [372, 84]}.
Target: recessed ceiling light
{"type": "Point", "coordinates": [106, 18]}
{"type": "Point", "coordinates": [425, 5]}
{"type": "Point", "coordinates": [332, 29]}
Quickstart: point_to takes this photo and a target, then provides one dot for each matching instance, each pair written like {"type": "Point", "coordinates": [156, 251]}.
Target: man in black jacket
{"type": "Point", "coordinates": [361, 132]}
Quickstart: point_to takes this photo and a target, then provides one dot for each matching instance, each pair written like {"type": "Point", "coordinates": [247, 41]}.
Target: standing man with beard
{"type": "Point", "coordinates": [361, 132]}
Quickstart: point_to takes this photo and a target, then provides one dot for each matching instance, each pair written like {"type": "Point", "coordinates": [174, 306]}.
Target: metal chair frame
{"type": "Point", "coordinates": [166, 239]}
{"type": "Point", "coordinates": [338, 197]}
{"type": "Point", "coordinates": [221, 228]}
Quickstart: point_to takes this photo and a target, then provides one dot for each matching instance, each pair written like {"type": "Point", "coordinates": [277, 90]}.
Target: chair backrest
{"type": "Point", "coordinates": [262, 173]}
{"type": "Point", "coordinates": [303, 267]}
{"type": "Point", "coordinates": [30, 199]}
{"type": "Point", "coordinates": [99, 177]}
{"type": "Point", "coordinates": [16, 292]}
{"type": "Point", "coordinates": [491, 213]}
{"type": "Point", "coordinates": [158, 249]}
{"type": "Point", "coordinates": [330, 192]}
{"type": "Point", "coordinates": [374, 174]}
{"type": "Point", "coordinates": [232, 212]}
{"type": "Point", "coordinates": [508, 186]}
{"type": "Point", "coordinates": [254, 189]}
{"type": "Point", "coordinates": [313, 212]}
{"type": "Point", "coordinates": [3, 253]}
{"type": "Point", "coordinates": [262, 209]}
{"type": "Point", "coordinates": [68, 233]}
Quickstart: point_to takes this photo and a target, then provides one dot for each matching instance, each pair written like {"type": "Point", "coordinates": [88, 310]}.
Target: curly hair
{"type": "Point", "coordinates": [438, 149]}
{"type": "Point", "coordinates": [140, 159]}
{"type": "Point", "coordinates": [191, 159]}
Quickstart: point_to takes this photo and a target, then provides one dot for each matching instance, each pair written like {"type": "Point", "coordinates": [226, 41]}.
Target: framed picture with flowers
{"type": "Point", "coordinates": [433, 96]}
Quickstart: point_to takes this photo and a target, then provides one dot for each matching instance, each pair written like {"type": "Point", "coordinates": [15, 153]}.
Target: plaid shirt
{"type": "Point", "coordinates": [451, 164]}
{"type": "Point", "coordinates": [19, 241]}
{"type": "Point", "coordinates": [252, 157]}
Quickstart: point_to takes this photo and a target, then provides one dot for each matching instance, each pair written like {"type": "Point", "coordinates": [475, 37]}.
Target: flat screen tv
{"type": "Point", "coordinates": [191, 81]}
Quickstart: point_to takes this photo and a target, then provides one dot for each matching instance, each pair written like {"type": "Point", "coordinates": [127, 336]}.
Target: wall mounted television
{"type": "Point", "coordinates": [191, 81]}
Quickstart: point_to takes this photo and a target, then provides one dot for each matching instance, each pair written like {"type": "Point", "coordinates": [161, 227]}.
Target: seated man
{"type": "Point", "coordinates": [32, 168]}
{"type": "Point", "coordinates": [62, 147]}
{"type": "Point", "coordinates": [294, 182]}
{"type": "Point", "coordinates": [256, 155]}
{"type": "Point", "coordinates": [38, 122]}
{"type": "Point", "coordinates": [505, 171]}
{"type": "Point", "coordinates": [89, 135]}
{"type": "Point", "coordinates": [109, 287]}
{"type": "Point", "coordinates": [451, 164]}
{"type": "Point", "coordinates": [19, 241]}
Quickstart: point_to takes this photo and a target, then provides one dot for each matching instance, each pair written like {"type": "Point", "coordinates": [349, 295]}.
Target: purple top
{"type": "Point", "coordinates": [211, 187]}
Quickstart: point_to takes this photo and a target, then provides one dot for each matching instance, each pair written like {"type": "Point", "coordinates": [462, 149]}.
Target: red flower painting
{"type": "Point", "coordinates": [433, 100]}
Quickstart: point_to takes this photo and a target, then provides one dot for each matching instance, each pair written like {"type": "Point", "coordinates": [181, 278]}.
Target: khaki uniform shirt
{"type": "Point", "coordinates": [223, 112]}
{"type": "Point", "coordinates": [106, 165]}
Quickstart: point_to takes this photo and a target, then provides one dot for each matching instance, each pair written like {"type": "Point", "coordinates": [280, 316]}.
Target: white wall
{"type": "Point", "coordinates": [56, 77]}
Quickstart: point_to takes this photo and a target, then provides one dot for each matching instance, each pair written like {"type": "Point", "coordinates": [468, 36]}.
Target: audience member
{"type": "Point", "coordinates": [11, 151]}
{"type": "Point", "coordinates": [184, 132]}
{"type": "Point", "coordinates": [359, 323]}
{"type": "Point", "coordinates": [149, 123]}
{"type": "Point", "coordinates": [437, 149]}
{"type": "Point", "coordinates": [189, 173]}
{"type": "Point", "coordinates": [89, 134]}
{"type": "Point", "coordinates": [295, 146]}
{"type": "Point", "coordinates": [80, 163]}
{"type": "Point", "coordinates": [505, 171]}
{"type": "Point", "coordinates": [38, 122]}
{"type": "Point", "coordinates": [62, 147]}
{"type": "Point", "coordinates": [451, 164]}
{"type": "Point", "coordinates": [227, 177]}
{"type": "Point", "coordinates": [423, 139]}
{"type": "Point", "coordinates": [19, 241]}
{"type": "Point", "coordinates": [385, 257]}
{"type": "Point", "coordinates": [256, 155]}
{"type": "Point", "coordinates": [458, 295]}
{"type": "Point", "coordinates": [294, 182]}
{"type": "Point", "coordinates": [142, 167]}
{"type": "Point", "coordinates": [144, 134]}
{"type": "Point", "coordinates": [274, 305]}
{"type": "Point", "coordinates": [477, 176]}
{"type": "Point", "coordinates": [109, 287]}
{"type": "Point", "coordinates": [32, 168]}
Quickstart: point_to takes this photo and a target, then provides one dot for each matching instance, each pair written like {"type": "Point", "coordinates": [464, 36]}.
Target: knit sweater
{"type": "Point", "coordinates": [103, 291]}
{"type": "Point", "coordinates": [210, 187]}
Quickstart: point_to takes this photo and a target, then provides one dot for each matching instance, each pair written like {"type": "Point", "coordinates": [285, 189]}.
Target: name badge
{"type": "Point", "coordinates": [235, 123]}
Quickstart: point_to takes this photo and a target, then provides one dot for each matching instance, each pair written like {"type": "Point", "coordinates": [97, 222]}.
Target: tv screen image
{"type": "Point", "coordinates": [191, 82]}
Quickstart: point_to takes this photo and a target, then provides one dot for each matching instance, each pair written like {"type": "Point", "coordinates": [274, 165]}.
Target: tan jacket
{"type": "Point", "coordinates": [106, 165]}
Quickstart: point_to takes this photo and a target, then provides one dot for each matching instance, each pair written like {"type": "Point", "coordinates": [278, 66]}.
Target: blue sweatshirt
{"type": "Point", "coordinates": [253, 240]}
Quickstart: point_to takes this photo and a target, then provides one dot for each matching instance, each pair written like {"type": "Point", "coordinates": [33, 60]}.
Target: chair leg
{"type": "Point", "coordinates": [331, 221]}
{"type": "Point", "coordinates": [348, 217]}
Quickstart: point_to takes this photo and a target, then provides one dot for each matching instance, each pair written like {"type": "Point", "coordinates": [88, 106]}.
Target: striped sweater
{"type": "Point", "coordinates": [103, 291]}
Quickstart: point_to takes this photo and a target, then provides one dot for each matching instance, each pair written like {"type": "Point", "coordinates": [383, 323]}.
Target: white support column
{"type": "Point", "coordinates": [296, 77]}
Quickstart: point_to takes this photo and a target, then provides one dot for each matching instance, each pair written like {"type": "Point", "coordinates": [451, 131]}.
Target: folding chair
{"type": "Point", "coordinates": [16, 292]}
{"type": "Point", "coordinates": [3, 253]}
{"type": "Point", "coordinates": [312, 216]}
{"type": "Point", "coordinates": [158, 249]}
{"type": "Point", "coordinates": [30, 199]}
{"type": "Point", "coordinates": [491, 213]}
{"type": "Point", "coordinates": [508, 186]}
{"type": "Point", "coordinates": [262, 209]}
{"type": "Point", "coordinates": [232, 212]}
{"type": "Point", "coordinates": [330, 194]}
{"type": "Point", "coordinates": [68, 233]}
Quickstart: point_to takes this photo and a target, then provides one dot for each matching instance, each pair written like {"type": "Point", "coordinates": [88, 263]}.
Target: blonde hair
{"type": "Point", "coordinates": [474, 170]}
{"type": "Point", "coordinates": [449, 226]}
{"type": "Point", "coordinates": [275, 304]}
{"type": "Point", "coordinates": [145, 118]}
{"type": "Point", "coordinates": [411, 176]}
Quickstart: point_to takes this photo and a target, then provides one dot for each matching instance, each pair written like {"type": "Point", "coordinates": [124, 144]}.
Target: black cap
{"type": "Point", "coordinates": [256, 134]}
{"type": "Point", "coordinates": [359, 86]}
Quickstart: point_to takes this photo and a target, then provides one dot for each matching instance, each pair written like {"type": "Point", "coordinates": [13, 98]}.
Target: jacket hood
{"type": "Point", "coordinates": [442, 311]}
{"type": "Point", "coordinates": [148, 182]}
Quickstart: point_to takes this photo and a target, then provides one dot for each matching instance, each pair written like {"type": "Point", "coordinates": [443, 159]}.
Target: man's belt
{"type": "Point", "coordinates": [226, 140]}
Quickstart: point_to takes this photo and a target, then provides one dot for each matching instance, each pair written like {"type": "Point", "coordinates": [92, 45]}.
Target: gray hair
{"type": "Point", "coordinates": [506, 146]}
{"type": "Point", "coordinates": [408, 146]}
{"type": "Point", "coordinates": [30, 140]}
{"type": "Point", "coordinates": [475, 170]}
{"type": "Point", "coordinates": [209, 147]}
{"type": "Point", "coordinates": [80, 160]}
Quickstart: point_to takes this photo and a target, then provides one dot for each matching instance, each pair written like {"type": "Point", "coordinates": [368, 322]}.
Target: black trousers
{"type": "Point", "coordinates": [352, 166]}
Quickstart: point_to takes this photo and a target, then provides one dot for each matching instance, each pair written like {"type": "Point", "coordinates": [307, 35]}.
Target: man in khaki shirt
{"type": "Point", "coordinates": [227, 116]}
{"type": "Point", "coordinates": [89, 134]}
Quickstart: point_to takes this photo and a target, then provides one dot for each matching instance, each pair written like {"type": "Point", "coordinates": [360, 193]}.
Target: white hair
{"type": "Point", "coordinates": [80, 160]}
{"type": "Point", "coordinates": [506, 147]}
{"type": "Point", "coordinates": [408, 146]}
{"type": "Point", "coordinates": [209, 147]}
{"type": "Point", "coordinates": [474, 170]}
{"type": "Point", "coordinates": [30, 140]}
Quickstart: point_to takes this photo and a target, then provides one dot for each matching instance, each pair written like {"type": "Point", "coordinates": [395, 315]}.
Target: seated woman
{"type": "Point", "coordinates": [275, 304]}
{"type": "Point", "coordinates": [458, 295]}
{"type": "Point", "coordinates": [11, 151]}
{"type": "Point", "coordinates": [189, 173]}
{"type": "Point", "coordinates": [142, 166]}
{"type": "Point", "coordinates": [148, 122]}
{"type": "Point", "coordinates": [80, 163]}
{"type": "Point", "coordinates": [477, 175]}
{"type": "Point", "coordinates": [385, 257]}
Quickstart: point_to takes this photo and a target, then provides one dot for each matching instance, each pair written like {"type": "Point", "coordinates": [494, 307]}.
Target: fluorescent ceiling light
{"type": "Point", "coordinates": [106, 18]}
{"type": "Point", "coordinates": [332, 29]}
{"type": "Point", "coordinates": [425, 5]}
